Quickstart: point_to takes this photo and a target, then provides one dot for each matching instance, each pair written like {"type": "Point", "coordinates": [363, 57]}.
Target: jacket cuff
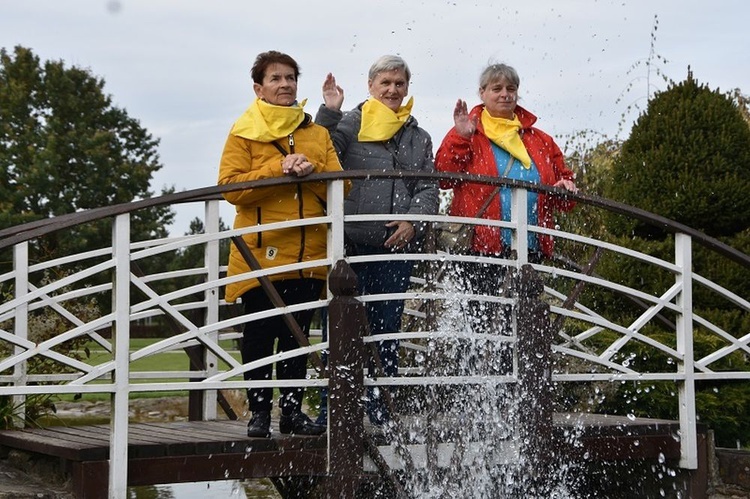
{"type": "Point", "coordinates": [327, 117]}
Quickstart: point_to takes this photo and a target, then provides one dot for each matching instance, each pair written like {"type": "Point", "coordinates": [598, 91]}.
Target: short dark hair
{"type": "Point", "coordinates": [265, 59]}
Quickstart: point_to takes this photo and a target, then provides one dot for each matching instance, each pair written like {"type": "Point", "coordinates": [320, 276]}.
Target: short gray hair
{"type": "Point", "coordinates": [389, 63]}
{"type": "Point", "coordinates": [496, 72]}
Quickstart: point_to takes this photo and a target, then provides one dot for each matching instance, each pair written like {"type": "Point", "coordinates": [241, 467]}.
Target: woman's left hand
{"type": "Point", "coordinates": [400, 238]}
{"type": "Point", "coordinates": [567, 184]}
{"type": "Point", "coordinates": [296, 165]}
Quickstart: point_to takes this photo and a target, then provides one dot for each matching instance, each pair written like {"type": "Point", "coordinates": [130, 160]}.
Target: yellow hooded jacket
{"type": "Point", "coordinates": [244, 160]}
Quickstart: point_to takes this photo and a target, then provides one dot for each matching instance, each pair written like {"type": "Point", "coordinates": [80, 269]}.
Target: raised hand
{"type": "Point", "coordinates": [333, 95]}
{"type": "Point", "coordinates": [465, 125]}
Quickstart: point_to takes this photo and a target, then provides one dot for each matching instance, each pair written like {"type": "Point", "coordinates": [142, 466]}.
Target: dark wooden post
{"type": "Point", "coordinates": [534, 347]}
{"type": "Point", "coordinates": [347, 324]}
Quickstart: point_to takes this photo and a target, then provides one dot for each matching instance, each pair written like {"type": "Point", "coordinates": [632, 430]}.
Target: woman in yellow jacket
{"type": "Point", "coordinates": [273, 138]}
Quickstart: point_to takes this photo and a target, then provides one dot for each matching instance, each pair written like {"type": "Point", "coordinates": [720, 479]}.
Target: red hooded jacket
{"type": "Point", "coordinates": [474, 155]}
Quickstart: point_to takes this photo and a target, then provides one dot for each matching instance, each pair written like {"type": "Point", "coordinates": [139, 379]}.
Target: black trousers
{"type": "Point", "coordinates": [259, 337]}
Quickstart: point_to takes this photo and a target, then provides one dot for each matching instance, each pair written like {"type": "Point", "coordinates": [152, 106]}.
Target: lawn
{"type": "Point", "coordinates": [175, 360]}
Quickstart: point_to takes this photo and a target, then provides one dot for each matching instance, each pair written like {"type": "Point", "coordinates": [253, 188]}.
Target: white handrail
{"type": "Point", "coordinates": [115, 376]}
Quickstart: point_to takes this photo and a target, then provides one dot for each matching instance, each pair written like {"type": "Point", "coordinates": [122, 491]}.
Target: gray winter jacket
{"type": "Point", "coordinates": [409, 150]}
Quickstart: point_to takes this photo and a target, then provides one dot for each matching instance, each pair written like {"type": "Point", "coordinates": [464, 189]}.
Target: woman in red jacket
{"type": "Point", "coordinates": [497, 138]}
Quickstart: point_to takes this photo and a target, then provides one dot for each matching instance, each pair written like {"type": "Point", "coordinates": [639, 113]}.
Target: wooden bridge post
{"type": "Point", "coordinates": [347, 319]}
{"type": "Point", "coordinates": [534, 347]}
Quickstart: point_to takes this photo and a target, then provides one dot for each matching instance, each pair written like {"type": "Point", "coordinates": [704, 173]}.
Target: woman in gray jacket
{"type": "Point", "coordinates": [381, 135]}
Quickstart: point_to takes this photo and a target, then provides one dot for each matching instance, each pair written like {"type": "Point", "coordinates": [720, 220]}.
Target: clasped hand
{"type": "Point", "coordinates": [296, 165]}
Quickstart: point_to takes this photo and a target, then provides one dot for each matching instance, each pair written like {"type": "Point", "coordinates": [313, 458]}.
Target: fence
{"type": "Point", "coordinates": [589, 347]}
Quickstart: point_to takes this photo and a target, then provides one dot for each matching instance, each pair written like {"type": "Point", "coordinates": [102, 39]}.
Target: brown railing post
{"type": "Point", "coordinates": [347, 321]}
{"type": "Point", "coordinates": [534, 347]}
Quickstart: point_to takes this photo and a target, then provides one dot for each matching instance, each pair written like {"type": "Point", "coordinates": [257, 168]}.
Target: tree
{"type": "Point", "coordinates": [64, 147]}
{"type": "Point", "coordinates": [688, 159]}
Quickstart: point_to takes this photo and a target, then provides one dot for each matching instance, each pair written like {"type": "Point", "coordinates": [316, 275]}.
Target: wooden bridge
{"type": "Point", "coordinates": [219, 450]}
{"type": "Point", "coordinates": [350, 458]}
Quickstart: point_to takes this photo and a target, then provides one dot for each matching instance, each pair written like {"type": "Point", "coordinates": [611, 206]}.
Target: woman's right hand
{"type": "Point", "coordinates": [333, 95]}
{"type": "Point", "coordinates": [465, 125]}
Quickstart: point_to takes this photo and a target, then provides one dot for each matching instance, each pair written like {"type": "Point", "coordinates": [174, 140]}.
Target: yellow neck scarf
{"type": "Point", "coordinates": [266, 122]}
{"type": "Point", "coordinates": [379, 122]}
{"type": "Point", "coordinates": [504, 133]}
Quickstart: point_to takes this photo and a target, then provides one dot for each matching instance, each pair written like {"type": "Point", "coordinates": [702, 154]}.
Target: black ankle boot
{"type": "Point", "coordinates": [299, 424]}
{"type": "Point", "coordinates": [260, 424]}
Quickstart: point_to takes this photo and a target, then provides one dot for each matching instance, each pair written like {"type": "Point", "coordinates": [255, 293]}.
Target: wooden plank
{"type": "Point", "coordinates": [99, 436]}
{"type": "Point", "coordinates": [628, 447]}
{"type": "Point", "coordinates": [205, 442]}
{"type": "Point", "coordinates": [34, 442]}
{"type": "Point", "coordinates": [225, 467]}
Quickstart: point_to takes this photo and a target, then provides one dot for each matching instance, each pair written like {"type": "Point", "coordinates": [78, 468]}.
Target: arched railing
{"type": "Point", "coordinates": [189, 301]}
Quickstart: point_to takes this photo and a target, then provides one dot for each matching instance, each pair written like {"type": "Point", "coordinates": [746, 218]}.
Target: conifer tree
{"type": "Point", "coordinates": [688, 159]}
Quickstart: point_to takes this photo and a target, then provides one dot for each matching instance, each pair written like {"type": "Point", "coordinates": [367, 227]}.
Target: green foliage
{"type": "Point", "coordinates": [43, 325]}
{"type": "Point", "coordinates": [590, 155]}
{"type": "Point", "coordinates": [743, 103]}
{"type": "Point", "coordinates": [25, 413]}
{"type": "Point", "coordinates": [687, 159]}
{"type": "Point", "coordinates": [192, 256]}
{"type": "Point", "coordinates": [64, 148]}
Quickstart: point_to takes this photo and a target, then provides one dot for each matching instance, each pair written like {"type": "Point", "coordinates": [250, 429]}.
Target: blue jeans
{"type": "Point", "coordinates": [389, 276]}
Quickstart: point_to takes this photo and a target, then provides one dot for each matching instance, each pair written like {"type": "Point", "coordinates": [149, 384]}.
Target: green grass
{"type": "Point", "coordinates": [175, 360]}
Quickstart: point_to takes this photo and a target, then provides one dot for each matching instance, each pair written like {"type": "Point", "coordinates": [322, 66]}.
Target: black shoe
{"type": "Point", "coordinates": [260, 425]}
{"type": "Point", "coordinates": [299, 424]}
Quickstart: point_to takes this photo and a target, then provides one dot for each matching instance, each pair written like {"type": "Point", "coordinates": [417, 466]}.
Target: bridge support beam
{"type": "Point", "coordinates": [534, 348]}
{"type": "Point", "coordinates": [347, 325]}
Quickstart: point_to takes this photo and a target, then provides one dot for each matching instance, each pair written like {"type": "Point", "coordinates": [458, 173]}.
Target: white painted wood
{"type": "Point", "coordinates": [684, 324]}
{"type": "Point", "coordinates": [211, 314]}
{"type": "Point", "coordinates": [21, 329]}
{"type": "Point", "coordinates": [118, 450]}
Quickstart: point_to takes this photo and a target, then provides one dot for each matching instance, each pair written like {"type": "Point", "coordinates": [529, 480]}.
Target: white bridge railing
{"type": "Point", "coordinates": [130, 276]}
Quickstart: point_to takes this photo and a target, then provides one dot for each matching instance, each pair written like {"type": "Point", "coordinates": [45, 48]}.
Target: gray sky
{"type": "Point", "coordinates": [182, 67]}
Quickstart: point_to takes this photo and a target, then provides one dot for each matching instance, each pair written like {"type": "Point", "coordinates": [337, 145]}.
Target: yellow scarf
{"type": "Point", "coordinates": [504, 133]}
{"type": "Point", "coordinates": [266, 122]}
{"type": "Point", "coordinates": [379, 122]}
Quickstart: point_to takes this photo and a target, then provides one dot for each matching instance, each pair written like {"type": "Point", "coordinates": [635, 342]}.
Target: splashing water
{"type": "Point", "coordinates": [468, 436]}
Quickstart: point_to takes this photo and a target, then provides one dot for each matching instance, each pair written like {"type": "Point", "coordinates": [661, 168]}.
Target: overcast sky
{"type": "Point", "coordinates": [182, 67]}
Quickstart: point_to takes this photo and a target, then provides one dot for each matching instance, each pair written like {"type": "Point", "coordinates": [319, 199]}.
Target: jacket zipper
{"type": "Point", "coordinates": [301, 212]}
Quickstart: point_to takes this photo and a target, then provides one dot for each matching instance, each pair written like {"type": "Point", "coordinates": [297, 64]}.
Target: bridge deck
{"type": "Point", "coordinates": [219, 450]}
